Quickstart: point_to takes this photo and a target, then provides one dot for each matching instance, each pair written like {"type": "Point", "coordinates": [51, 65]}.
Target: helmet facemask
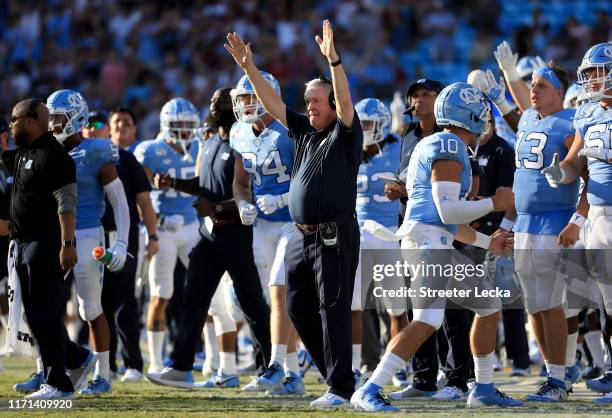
{"type": "Point", "coordinates": [60, 125]}
{"type": "Point", "coordinates": [247, 108]}
{"type": "Point", "coordinates": [602, 76]}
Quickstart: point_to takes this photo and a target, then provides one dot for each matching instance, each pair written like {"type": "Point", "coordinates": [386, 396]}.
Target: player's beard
{"type": "Point", "coordinates": [21, 139]}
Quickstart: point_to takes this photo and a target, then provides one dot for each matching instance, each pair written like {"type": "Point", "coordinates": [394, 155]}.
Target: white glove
{"type": "Point", "coordinates": [507, 61]}
{"type": "Point", "coordinates": [119, 252]}
{"type": "Point", "coordinates": [397, 106]}
{"type": "Point", "coordinates": [496, 91]}
{"type": "Point", "coordinates": [554, 173]}
{"type": "Point", "coordinates": [539, 63]}
{"type": "Point", "coordinates": [597, 153]}
{"type": "Point", "coordinates": [247, 211]}
{"type": "Point", "coordinates": [270, 203]}
{"type": "Point", "coordinates": [172, 223]}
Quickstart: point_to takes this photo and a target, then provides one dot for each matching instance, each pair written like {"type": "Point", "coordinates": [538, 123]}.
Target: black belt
{"type": "Point", "coordinates": [310, 228]}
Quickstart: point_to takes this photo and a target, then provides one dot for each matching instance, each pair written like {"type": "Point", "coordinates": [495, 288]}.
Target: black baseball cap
{"type": "Point", "coordinates": [98, 116]}
{"type": "Point", "coordinates": [431, 85]}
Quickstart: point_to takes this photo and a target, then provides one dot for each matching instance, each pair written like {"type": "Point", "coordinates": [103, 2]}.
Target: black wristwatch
{"type": "Point", "coordinates": [154, 237]}
{"type": "Point", "coordinates": [69, 243]}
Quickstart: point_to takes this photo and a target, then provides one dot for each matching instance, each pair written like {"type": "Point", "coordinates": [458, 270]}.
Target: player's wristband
{"type": "Point", "coordinates": [482, 241]}
{"type": "Point", "coordinates": [578, 220]}
{"type": "Point", "coordinates": [336, 63]}
{"type": "Point", "coordinates": [511, 75]}
{"type": "Point", "coordinates": [506, 224]}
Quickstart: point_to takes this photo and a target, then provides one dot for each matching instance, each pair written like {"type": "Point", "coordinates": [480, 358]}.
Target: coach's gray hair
{"type": "Point", "coordinates": [316, 82]}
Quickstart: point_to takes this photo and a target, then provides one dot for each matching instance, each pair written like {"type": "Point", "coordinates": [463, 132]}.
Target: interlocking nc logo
{"type": "Point", "coordinates": [608, 51]}
{"type": "Point", "coordinates": [470, 95]}
{"type": "Point", "coordinates": [74, 99]}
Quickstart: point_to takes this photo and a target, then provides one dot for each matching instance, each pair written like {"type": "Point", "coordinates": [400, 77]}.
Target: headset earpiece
{"type": "Point", "coordinates": [332, 100]}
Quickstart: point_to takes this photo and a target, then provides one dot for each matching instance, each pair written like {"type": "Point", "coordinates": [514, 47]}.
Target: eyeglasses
{"type": "Point", "coordinates": [31, 113]}
{"type": "Point", "coordinates": [96, 125]}
{"type": "Point", "coordinates": [16, 118]}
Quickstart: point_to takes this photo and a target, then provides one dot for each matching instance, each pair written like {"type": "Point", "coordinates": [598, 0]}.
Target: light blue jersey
{"type": "Point", "coordinates": [594, 124]}
{"type": "Point", "coordinates": [159, 157]}
{"type": "Point", "coordinates": [540, 208]}
{"type": "Point", "coordinates": [372, 203]}
{"type": "Point", "coordinates": [89, 156]}
{"type": "Point", "coordinates": [268, 158]}
{"type": "Point", "coordinates": [439, 146]}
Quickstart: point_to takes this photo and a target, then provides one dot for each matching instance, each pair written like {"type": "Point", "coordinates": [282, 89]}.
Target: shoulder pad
{"type": "Point", "coordinates": [586, 110]}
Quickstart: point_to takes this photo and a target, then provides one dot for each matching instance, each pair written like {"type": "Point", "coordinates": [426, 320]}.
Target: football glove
{"type": "Point", "coordinates": [119, 252]}
{"type": "Point", "coordinates": [597, 153]}
{"type": "Point", "coordinates": [554, 173]}
{"type": "Point", "coordinates": [507, 60]}
{"type": "Point", "coordinates": [269, 203]}
{"type": "Point", "coordinates": [494, 90]}
{"type": "Point", "coordinates": [247, 211]}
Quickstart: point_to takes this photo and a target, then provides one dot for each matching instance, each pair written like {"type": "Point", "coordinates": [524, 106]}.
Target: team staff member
{"type": "Point", "coordinates": [228, 247]}
{"type": "Point", "coordinates": [322, 255]}
{"type": "Point", "coordinates": [118, 297]}
{"type": "Point", "coordinates": [42, 217]}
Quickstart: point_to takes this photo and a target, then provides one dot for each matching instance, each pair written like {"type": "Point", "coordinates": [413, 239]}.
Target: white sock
{"type": "Point", "coordinates": [593, 341]}
{"type": "Point", "coordinates": [292, 364]}
{"type": "Point", "coordinates": [357, 357]}
{"type": "Point", "coordinates": [103, 365]}
{"type": "Point", "coordinates": [483, 368]}
{"type": "Point", "coordinates": [227, 362]}
{"type": "Point", "coordinates": [210, 346]}
{"type": "Point", "coordinates": [279, 353]}
{"type": "Point", "coordinates": [570, 351]}
{"type": "Point", "coordinates": [40, 367]}
{"type": "Point", "coordinates": [156, 344]}
{"type": "Point", "coordinates": [556, 371]}
{"type": "Point", "coordinates": [385, 370]}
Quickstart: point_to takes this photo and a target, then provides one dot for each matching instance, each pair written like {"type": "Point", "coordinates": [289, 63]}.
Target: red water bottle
{"type": "Point", "coordinates": [102, 255]}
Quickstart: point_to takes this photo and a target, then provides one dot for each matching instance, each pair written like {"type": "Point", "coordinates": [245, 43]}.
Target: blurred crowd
{"type": "Point", "coordinates": [140, 54]}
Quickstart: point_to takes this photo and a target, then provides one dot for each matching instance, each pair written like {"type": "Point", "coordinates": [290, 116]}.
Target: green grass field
{"type": "Point", "coordinates": [146, 399]}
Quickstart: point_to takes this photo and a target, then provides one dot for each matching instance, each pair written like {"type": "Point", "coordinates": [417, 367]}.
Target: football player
{"type": "Point", "coordinates": [96, 177]}
{"type": "Point", "coordinates": [592, 148]}
{"type": "Point", "coordinates": [174, 153]}
{"type": "Point", "coordinates": [439, 177]}
{"type": "Point", "coordinates": [264, 167]}
{"type": "Point", "coordinates": [381, 150]}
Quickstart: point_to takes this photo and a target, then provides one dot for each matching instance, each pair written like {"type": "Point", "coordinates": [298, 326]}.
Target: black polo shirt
{"type": "Point", "coordinates": [38, 170]}
{"type": "Point", "coordinates": [217, 169]}
{"type": "Point", "coordinates": [324, 178]}
{"type": "Point", "coordinates": [496, 161]}
{"type": "Point", "coordinates": [134, 181]}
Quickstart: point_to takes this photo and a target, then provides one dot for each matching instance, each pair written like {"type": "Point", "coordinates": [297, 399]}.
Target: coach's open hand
{"type": "Point", "coordinates": [68, 257]}
{"type": "Point", "coordinates": [327, 43]}
{"type": "Point", "coordinates": [240, 52]}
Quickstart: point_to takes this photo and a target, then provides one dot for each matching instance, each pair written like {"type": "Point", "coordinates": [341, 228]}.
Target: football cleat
{"type": "Point", "coordinates": [573, 373]}
{"type": "Point", "coordinates": [370, 398]}
{"type": "Point", "coordinates": [400, 379]}
{"type": "Point", "coordinates": [292, 385]}
{"type": "Point", "coordinates": [602, 384]}
{"type": "Point", "coordinates": [49, 392]}
{"type": "Point", "coordinates": [449, 393]}
{"type": "Point", "coordinates": [219, 380]}
{"type": "Point", "coordinates": [358, 380]}
{"type": "Point", "coordinates": [172, 377]}
{"type": "Point", "coordinates": [304, 361]}
{"type": "Point", "coordinates": [329, 400]}
{"type": "Point", "coordinates": [591, 372]}
{"type": "Point", "coordinates": [549, 392]}
{"type": "Point", "coordinates": [488, 395]}
{"type": "Point", "coordinates": [78, 376]}
{"type": "Point", "coordinates": [132, 375]}
{"type": "Point", "coordinates": [97, 386]}
{"type": "Point", "coordinates": [34, 382]}
{"type": "Point", "coordinates": [520, 372]}
{"type": "Point", "coordinates": [411, 392]}
{"type": "Point", "coordinates": [607, 399]}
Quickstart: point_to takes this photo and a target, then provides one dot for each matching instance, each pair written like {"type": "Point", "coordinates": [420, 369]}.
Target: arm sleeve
{"type": "Point", "coordinates": [297, 124]}
{"type": "Point", "coordinates": [453, 211]}
{"type": "Point", "coordinates": [66, 197]}
{"type": "Point", "coordinates": [116, 196]}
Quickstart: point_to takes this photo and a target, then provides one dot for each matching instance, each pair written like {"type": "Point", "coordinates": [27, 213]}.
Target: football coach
{"type": "Point", "coordinates": [322, 254]}
{"type": "Point", "coordinates": [42, 221]}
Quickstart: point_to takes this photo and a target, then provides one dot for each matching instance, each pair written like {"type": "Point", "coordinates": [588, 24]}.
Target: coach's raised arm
{"type": "Point", "coordinates": [341, 105]}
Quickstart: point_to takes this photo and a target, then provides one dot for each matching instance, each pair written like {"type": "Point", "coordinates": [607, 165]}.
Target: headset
{"type": "Point", "coordinates": [331, 99]}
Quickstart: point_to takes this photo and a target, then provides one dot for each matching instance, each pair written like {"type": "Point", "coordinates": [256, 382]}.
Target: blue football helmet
{"type": "Point", "coordinates": [375, 120]}
{"type": "Point", "coordinates": [251, 110]}
{"type": "Point", "coordinates": [525, 67]}
{"type": "Point", "coordinates": [179, 121]}
{"type": "Point", "coordinates": [463, 105]}
{"type": "Point", "coordinates": [598, 57]}
{"type": "Point", "coordinates": [574, 96]}
{"type": "Point", "coordinates": [68, 113]}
